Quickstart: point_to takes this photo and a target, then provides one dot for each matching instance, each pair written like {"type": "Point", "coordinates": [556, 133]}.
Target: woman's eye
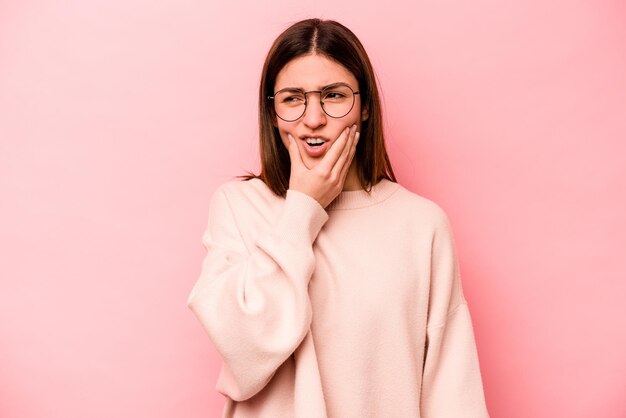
{"type": "Point", "coordinates": [334, 95]}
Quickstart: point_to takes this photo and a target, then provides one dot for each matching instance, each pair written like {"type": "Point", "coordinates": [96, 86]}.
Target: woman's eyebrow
{"type": "Point", "coordinates": [320, 88]}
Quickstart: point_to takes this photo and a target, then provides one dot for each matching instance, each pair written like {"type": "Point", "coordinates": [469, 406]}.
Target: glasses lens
{"type": "Point", "coordinates": [338, 101]}
{"type": "Point", "coordinates": [289, 104]}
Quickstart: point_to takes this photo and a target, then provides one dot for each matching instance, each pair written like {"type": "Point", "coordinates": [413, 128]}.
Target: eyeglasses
{"type": "Point", "coordinates": [337, 100]}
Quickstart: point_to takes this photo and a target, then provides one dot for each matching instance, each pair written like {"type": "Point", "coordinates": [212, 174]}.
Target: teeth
{"type": "Point", "coordinates": [314, 141]}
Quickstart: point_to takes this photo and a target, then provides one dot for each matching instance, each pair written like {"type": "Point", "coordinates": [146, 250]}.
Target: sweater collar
{"type": "Point", "coordinates": [353, 199]}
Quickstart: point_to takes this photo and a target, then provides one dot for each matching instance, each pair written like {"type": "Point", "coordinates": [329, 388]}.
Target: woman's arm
{"type": "Point", "coordinates": [451, 380]}
{"type": "Point", "coordinates": [254, 303]}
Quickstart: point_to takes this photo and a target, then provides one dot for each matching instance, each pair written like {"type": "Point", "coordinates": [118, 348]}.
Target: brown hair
{"type": "Point", "coordinates": [340, 44]}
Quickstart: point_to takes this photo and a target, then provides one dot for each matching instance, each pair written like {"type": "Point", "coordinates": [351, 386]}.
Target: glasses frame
{"type": "Point", "coordinates": [306, 99]}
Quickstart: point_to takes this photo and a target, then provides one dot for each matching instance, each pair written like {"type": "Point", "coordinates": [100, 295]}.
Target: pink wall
{"type": "Point", "coordinates": [116, 126]}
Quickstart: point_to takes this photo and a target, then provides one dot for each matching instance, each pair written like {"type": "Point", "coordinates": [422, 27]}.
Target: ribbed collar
{"type": "Point", "coordinates": [353, 199]}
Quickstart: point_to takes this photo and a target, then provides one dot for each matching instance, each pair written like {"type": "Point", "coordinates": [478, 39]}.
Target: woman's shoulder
{"type": "Point", "coordinates": [252, 193]}
{"type": "Point", "coordinates": [240, 185]}
{"type": "Point", "coordinates": [421, 207]}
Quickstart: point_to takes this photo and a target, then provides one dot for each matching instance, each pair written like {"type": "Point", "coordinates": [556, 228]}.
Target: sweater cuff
{"type": "Point", "coordinates": [302, 217]}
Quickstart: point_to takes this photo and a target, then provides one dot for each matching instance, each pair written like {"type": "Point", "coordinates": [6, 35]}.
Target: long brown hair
{"type": "Point", "coordinates": [338, 43]}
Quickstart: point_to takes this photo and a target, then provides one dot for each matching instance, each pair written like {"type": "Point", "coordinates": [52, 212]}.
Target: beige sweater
{"type": "Point", "coordinates": [353, 310]}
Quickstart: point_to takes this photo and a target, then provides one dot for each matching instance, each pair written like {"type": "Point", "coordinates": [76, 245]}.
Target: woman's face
{"type": "Point", "coordinates": [313, 72]}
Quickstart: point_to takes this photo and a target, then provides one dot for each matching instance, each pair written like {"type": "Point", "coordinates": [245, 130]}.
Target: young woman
{"type": "Point", "coordinates": [328, 289]}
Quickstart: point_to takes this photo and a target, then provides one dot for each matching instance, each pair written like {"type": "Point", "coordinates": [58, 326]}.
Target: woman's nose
{"type": "Point", "coordinates": [314, 114]}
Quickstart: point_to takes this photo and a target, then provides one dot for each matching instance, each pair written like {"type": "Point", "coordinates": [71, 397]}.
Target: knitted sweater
{"type": "Point", "coordinates": [353, 310]}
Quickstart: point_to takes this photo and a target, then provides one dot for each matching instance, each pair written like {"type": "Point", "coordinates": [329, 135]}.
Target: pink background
{"type": "Point", "coordinates": [118, 119]}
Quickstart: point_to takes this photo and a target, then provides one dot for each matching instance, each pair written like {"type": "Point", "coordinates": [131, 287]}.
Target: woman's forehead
{"type": "Point", "coordinates": [313, 72]}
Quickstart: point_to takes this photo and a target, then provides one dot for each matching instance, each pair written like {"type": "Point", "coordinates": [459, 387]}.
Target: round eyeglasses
{"type": "Point", "coordinates": [337, 100]}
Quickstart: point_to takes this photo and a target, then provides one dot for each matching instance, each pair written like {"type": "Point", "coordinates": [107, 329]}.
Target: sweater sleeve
{"type": "Point", "coordinates": [254, 302]}
{"type": "Point", "coordinates": [451, 380]}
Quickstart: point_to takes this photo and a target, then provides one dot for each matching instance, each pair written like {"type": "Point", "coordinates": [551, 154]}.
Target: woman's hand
{"type": "Point", "coordinates": [324, 181]}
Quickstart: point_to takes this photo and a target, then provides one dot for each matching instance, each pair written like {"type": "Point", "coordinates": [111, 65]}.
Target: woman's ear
{"type": "Point", "coordinates": [364, 114]}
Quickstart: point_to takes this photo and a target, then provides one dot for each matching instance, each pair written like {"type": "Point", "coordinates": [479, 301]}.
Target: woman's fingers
{"type": "Point", "coordinates": [346, 159]}
{"type": "Point", "coordinates": [332, 155]}
{"type": "Point", "coordinates": [343, 158]}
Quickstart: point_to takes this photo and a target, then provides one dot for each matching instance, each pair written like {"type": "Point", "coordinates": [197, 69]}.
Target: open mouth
{"type": "Point", "coordinates": [315, 149]}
